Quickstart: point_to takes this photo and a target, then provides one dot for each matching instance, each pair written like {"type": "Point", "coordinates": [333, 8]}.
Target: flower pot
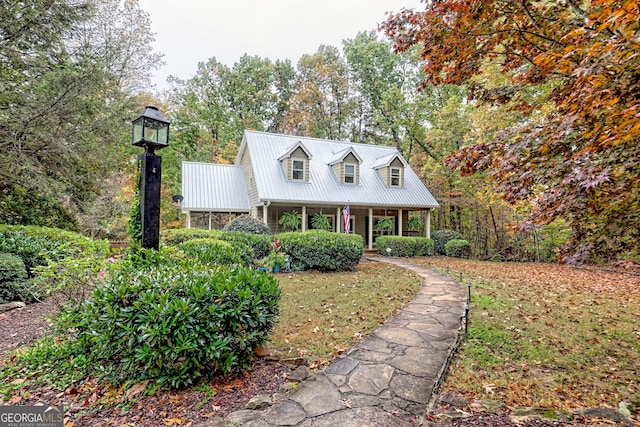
{"type": "Point", "coordinates": [276, 268]}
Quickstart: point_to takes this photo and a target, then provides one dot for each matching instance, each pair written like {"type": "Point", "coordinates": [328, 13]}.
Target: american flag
{"type": "Point", "coordinates": [346, 214]}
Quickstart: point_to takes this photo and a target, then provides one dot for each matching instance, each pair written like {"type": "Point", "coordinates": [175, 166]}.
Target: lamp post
{"type": "Point", "coordinates": [151, 131]}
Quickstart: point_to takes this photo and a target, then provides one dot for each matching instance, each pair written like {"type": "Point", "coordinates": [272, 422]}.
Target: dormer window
{"type": "Point", "coordinates": [295, 162]}
{"type": "Point", "coordinates": [349, 174]}
{"type": "Point", "coordinates": [297, 170]}
{"type": "Point", "coordinates": [395, 177]}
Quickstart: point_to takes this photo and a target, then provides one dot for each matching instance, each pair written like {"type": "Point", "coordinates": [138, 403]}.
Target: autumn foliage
{"type": "Point", "coordinates": [575, 152]}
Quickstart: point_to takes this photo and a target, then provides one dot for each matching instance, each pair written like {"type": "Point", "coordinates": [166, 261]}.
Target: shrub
{"type": "Point", "coordinates": [37, 246]}
{"type": "Point", "coordinates": [247, 224]}
{"type": "Point", "coordinates": [214, 251]}
{"type": "Point", "coordinates": [172, 327]}
{"type": "Point", "coordinates": [441, 237]}
{"type": "Point", "coordinates": [404, 246]}
{"type": "Point", "coordinates": [322, 250]}
{"type": "Point", "coordinates": [457, 248]}
{"type": "Point", "coordinates": [14, 285]}
{"type": "Point", "coordinates": [180, 235]}
{"type": "Point", "coordinates": [259, 243]}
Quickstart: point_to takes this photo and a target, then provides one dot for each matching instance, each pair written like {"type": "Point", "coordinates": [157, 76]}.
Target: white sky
{"type": "Point", "coordinates": [192, 31]}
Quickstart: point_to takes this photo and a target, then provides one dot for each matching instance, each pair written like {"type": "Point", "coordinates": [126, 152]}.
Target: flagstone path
{"type": "Point", "coordinates": [385, 380]}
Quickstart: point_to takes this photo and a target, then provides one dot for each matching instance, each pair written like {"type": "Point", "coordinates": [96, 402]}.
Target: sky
{"type": "Point", "coordinates": [191, 31]}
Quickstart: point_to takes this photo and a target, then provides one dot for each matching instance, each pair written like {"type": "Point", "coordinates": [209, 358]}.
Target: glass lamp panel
{"type": "Point", "coordinates": [137, 130]}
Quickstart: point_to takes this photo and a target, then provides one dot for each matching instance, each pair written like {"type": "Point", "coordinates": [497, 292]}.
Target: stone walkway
{"type": "Point", "coordinates": [385, 380]}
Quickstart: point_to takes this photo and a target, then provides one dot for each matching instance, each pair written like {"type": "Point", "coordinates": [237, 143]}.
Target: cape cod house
{"type": "Point", "coordinates": [274, 174]}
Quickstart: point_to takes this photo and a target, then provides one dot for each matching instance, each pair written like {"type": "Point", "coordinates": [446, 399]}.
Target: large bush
{"type": "Point", "coordinates": [180, 235]}
{"type": "Point", "coordinates": [441, 237]}
{"type": "Point", "coordinates": [258, 243]}
{"type": "Point", "coordinates": [404, 246]}
{"type": "Point", "coordinates": [458, 248]}
{"type": "Point", "coordinates": [217, 252]}
{"type": "Point", "coordinates": [14, 285]}
{"type": "Point", "coordinates": [322, 250]}
{"type": "Point", "coordinates": [36, 246]}
{"type": "Point", "coordinates": [178, 320]}
{"type": "Point", "coordinates": [247, 224]}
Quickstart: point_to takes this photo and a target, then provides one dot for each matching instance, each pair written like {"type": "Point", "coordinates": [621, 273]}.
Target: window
{"type": "Point", "coordinates": [395, 177]}
{"type": "Point", "coordinates": [298, 170]}
{"type": "Point", "coordinates": [349, 174]}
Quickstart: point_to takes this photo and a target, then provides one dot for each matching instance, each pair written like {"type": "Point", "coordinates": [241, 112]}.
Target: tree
{"type": "Point", "coordinates": [574, 154]}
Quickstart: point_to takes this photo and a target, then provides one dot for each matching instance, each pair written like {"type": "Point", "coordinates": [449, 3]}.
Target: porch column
{"type": "Point", "coordinates": [304, 218]}
{"type": "Point", "coordinates": [188, 219]}
{"type": "Point", "coordinates": [209, 220]}
{"type": "Point", "coordinates": [399, 222]}
{"type": "Point", "coordinates": [338, 221]}
{"type": "Point", "coordinates": [265, 213]}
{"type": "Point", "coordinates": [370, 229]}
{"type": "Point", "coordinates": [428, 227]}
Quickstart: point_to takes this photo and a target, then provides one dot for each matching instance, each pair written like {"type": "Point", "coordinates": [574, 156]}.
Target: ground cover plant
{"type": "Point", "coordinates": [547, 335]}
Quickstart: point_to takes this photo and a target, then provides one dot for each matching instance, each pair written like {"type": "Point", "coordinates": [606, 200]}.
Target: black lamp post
{"type": "Point", "coordinates": [151, 131]}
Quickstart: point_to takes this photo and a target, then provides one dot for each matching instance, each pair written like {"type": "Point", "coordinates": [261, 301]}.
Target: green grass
{"type": "Point", "coordinates": [323, 314]}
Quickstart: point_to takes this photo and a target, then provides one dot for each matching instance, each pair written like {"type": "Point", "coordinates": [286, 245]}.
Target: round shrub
{"type": "Point", "coordinates": [458, 248]}
{"type": "Point", "coordinates": [180, 235]}
{"type": "Point", "coordinates": [14, 285]}
{"type": "Point", "coordinates": [322, 250]}
{"type": "Point", "coordinates": [178, 321]}
{"type": "Point", "coordinates": [441, 237]}
{"type": "Point", "coordinates": [216, 251]}
{"type": "Point", "coordinates": [247, 224]}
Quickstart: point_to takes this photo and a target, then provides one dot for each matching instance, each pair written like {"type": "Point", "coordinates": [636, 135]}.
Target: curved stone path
{"type": "Point", "coordinates": [385, 380]}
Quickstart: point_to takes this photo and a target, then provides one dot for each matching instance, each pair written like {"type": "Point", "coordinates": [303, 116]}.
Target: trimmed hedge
{"type": "Point", "coordinates": [458, 248]}
{"type": "Point", "coordinates": [177, 321]}
{"type": "Point", "coordinates": [176, 236]}
{"type": "Point", "coordinates": [259, 243]}
{"type": "Point", "coordinates": [441, 237]}
{"type": "Point", "coordinates": [247, 224]}
{"type": "Point", "coordinates": [322, 250]}
{"type": "Point", "coordinates": [36, 246]}
{"type": "Point", "coordinates": [402, 246]}
{"type": "Point", "coordinates": [14, 285]}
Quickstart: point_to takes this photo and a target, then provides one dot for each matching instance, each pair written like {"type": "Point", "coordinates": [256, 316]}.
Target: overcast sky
{"type": "Point", "coordinates": [192, 31]}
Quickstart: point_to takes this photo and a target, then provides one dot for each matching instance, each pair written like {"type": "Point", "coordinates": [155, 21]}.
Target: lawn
{"type": "Point", "coordinates": [323, 314]}
{"type": "Point", "coordinates": [547, 335]}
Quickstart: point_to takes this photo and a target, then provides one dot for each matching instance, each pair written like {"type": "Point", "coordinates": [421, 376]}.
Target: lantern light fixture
{"type": "Point", "coordinates": [151, 130]}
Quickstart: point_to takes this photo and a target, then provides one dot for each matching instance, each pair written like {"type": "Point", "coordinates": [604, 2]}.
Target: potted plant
{"type": "Point", "coordinates": [415, 226]}
{"type": "Point", "coordinates": [290, 221]}
{"type": "Point", "coordinates": [384, 225]}
{"type": "Point", "coordinates": [320, 222]}
{"type": "Point", "coordinates": [276, 258]}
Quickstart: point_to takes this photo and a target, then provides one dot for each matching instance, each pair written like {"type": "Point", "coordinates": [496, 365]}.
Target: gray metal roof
{"type": "Point", "coordinates": [323, 186]}
{"type": "Point", "coordinates": [214, 187]}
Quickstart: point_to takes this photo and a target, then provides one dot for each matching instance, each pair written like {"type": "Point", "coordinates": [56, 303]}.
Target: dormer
{"type": "Point", "coordinates": [346, 166]}
{"type": "Point", "coordinates": [295, 162]}
{"type": "Point", "coordinates": [391, 169]}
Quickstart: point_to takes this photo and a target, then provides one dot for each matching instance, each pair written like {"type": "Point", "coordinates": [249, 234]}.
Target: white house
{"type": "Point", "coordinates": [274, 174]}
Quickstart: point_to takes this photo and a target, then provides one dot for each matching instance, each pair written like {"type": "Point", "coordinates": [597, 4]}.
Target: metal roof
{"type": "Point", "coordinates": [323, 186]}
{"type": "Point", "coordinates": [214, 187]}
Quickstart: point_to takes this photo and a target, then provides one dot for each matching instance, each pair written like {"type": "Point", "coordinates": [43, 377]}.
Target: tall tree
{"type": "Point", "coordinates": [575, 154]}
{"type": "Point", "coordinates": [320, 105]}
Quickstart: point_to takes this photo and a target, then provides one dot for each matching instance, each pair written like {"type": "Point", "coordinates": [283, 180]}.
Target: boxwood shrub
{"type": "Point", "coordinates": [247, 224]}
{"type": "Point", "coordinates": [322, 250]}
{"type": "Point", "coordinates": [402, 246]}
{"type": "Point", "coordinates": [217, 251]}
{"type": "Point", "coordinates": [458, 248]}
{"type": "Point", "coordinates": [14, 285]}
{"type": "Point", "coordinates": [441, 237]}
{"type": "Point", "coordinates": [176, 236]}
{"type": "Point", "coordinates": [177, 321]}
{"type": "Point", "coordinates": [36, 246]}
